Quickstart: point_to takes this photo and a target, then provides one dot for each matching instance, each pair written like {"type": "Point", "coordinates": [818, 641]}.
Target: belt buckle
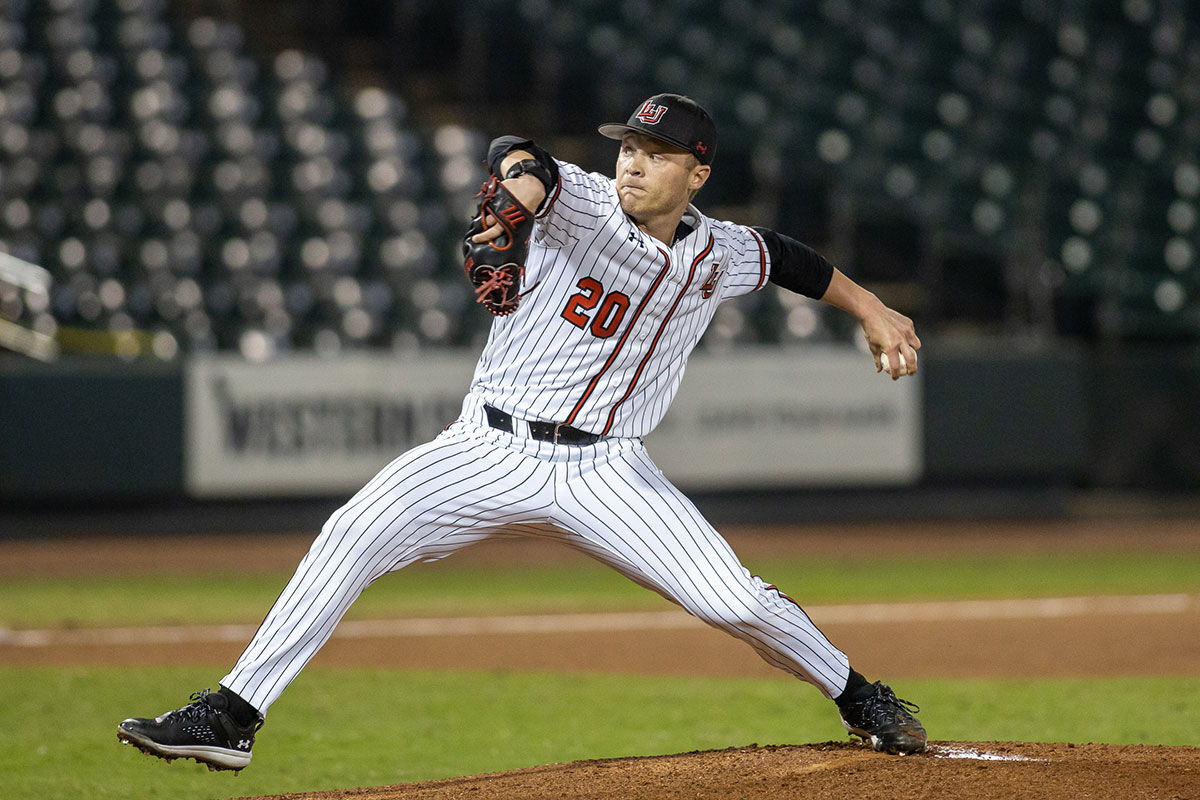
{"type": "Point", "coordinates": [557, 425]}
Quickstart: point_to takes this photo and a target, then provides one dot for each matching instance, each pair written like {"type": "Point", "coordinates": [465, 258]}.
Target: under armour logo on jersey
{"type": "Point", "coordinates": [633, 237]}
{"type": "Point", "coordinates": [651, 113]}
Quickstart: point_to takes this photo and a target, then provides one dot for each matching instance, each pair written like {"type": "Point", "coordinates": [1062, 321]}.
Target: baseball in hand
{"type": "Point", "coordinates": [883, 361]}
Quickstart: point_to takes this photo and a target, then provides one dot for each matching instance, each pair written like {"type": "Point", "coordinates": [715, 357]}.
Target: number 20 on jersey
{"type": "Point", "coordinates": [606, 319]}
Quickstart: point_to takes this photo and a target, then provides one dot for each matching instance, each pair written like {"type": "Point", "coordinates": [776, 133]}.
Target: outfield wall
{"type": "Point", "coordinates": [816, 417]}
{"type": "Point", "coordinates": [761, 418]}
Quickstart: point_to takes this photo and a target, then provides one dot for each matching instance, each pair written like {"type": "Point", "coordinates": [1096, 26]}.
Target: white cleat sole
{"type": "Point", "coordinates": [215, 757]}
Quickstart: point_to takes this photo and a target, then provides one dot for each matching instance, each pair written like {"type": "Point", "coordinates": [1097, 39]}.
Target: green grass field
{"type": "Point", "coordinates": [445, 589]}
{"type": "Point", "coordinates": [341, 728]}
{"type": "Point", "coordinates": [348, 728]}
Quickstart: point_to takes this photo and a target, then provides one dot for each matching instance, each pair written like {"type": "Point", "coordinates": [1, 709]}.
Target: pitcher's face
{"type": "Point", "coordinates": [655, 178]}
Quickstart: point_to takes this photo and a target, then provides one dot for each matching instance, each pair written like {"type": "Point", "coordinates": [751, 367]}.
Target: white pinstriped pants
{"type": "Point", "coordinates": [473, 482]}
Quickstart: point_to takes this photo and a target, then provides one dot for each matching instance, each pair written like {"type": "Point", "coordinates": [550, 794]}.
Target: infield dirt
{"type": "Point", "coordinates": [835, 770]}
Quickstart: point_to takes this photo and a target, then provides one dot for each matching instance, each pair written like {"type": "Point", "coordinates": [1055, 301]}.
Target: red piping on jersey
{"type": "Point", "coordinates": [775, 589]}
{"type": "Point", "coordinates": [613, 357]}
{"type": "Point", "coordinates": [553, 197]}
{"type": "Point", "coordinates": [772, 587]}
{"type": "Point", "coordinates": [662, 327]}
{"type": "Point", "coordinates": [762, 259]}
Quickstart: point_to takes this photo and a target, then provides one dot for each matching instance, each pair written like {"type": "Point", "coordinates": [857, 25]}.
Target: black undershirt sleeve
{"type": "Point", "coordinates": [796, 266]}
{"type": "Point", "coordinates": [503, 145]}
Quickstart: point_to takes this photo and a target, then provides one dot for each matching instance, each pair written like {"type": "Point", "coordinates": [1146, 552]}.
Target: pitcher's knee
{"type": "Point", "coordinates": [749, 608]}
{"type": "Point", "coordinates": [743, 614]}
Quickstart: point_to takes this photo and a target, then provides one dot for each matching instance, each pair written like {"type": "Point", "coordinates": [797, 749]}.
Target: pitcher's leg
{"type": "Point", "coordinates": [632, 518]}
{"type": "Point", "coordinates": [426, 504]}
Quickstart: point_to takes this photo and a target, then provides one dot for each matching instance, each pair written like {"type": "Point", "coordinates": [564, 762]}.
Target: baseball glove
{"type": "Point", "coordinates": [495, 268]}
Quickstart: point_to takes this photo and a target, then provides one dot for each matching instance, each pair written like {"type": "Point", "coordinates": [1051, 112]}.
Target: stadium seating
{"type": "Point", "coordinates": [175, 183]}
{"type": "Point", "coordinates": [1026, 135]}
{"type": "Point", "coordinates": [1016, 165]}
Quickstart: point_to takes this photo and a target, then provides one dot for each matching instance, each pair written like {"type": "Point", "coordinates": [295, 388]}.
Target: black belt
{"type": "Point", "coordinates": [556, 432]}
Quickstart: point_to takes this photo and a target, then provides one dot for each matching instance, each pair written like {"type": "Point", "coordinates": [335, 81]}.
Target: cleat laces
{"type": "Point", "coordinates": [884, 707]}
{"type": "Point", "coordinates": [888, 696]}
{"type": "Point", "coordinates": [196, 710]}
{"type": "Point", "coordinates": [200, 708]}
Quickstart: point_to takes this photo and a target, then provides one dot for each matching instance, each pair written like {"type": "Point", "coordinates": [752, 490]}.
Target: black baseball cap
{"type": "Point", "coordinates": [674, 119]}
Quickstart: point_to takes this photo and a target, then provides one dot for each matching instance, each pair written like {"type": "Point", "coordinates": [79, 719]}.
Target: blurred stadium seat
{"type": "Point", "coordinates": [1013, 165]}
{"type": "Point", "coordinates": [1015, 137]}
{"type": "Point", "coordinates": [174, 182]}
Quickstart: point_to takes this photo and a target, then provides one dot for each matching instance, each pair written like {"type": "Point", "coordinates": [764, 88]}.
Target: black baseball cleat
{"type": "Point", "coordinates": [886, 721]}
{"type": "Point", "coordinates": [203, 730]}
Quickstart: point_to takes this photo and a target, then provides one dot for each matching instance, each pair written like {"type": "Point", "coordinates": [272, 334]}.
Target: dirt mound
{"type": "Point", "coordinates": [948, 770]}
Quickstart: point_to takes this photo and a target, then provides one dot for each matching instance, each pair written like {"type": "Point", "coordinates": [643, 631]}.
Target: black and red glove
{"type": "Point", "coordinates": [496, 267]}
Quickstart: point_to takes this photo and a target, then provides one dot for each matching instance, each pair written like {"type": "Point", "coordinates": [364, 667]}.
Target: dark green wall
{"type": "Point", "coordinates": [1000, 412]}
{"type": "Point", "coordinates": [83, 430]}
{"type": "Point", "coordinates": [994, 413]}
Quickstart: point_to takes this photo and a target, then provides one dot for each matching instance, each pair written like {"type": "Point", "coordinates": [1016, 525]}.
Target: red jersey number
{"type": "Point", "coordinates": [607, 319]}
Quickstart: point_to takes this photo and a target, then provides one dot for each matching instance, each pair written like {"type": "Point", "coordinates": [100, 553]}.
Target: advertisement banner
{"type": "Point", "coordinates": [757, 418]}
{"type": "Point", "coordinates": [310, 425]}
{"type": "Point", "coordinates": [778, 417]}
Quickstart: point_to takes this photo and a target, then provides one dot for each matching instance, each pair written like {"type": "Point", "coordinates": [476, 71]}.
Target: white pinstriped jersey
{"type": "Point", "coordinates": [602, 339]}
{"type": "Point", "coordinates": [599, 343]}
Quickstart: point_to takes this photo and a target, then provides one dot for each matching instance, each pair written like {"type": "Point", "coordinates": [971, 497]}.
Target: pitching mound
{"type": "Point", "coordinates": [835, 770]}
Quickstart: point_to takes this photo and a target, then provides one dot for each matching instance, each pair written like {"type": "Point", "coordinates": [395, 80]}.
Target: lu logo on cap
{"type": "Point", "coordinates": [651, 112]}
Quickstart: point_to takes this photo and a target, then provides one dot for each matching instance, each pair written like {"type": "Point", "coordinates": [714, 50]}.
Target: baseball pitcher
{"type": "Point", "coordinates": [600, 287]}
